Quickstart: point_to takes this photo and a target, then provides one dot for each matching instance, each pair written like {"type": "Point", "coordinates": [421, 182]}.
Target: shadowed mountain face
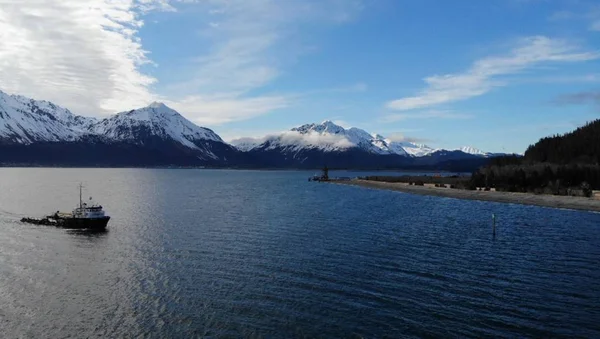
{"type": "Point", "coordinates": [314, 145]}
{"type": "Point", "coordinates": [41, 133]}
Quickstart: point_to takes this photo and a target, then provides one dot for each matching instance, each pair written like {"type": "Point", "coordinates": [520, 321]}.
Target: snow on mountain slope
{"type": "Point", "coordinates": [326, 137]}
{"type": "Point", "coordinates": [329, 137]}
{"type": "Point", "coordinates": [24, 120]}
{"type": "Point", "coordinates": [247, 144]}
{"type": "Point", "coordinates": [415, 150]}
{"type": "Point", "coordinates": [154, 120]}
{"type": "Point", "coordinates": [473, 151]}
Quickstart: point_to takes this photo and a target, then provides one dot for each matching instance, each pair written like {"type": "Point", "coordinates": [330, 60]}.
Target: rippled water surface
{"type": "Point", "coordinates": [200, 253]}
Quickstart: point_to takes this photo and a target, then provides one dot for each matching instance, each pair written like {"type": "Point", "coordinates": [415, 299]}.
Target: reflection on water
{"type": "Point", "coordinates": [93, 234]}
{"type": "Point", "coordinates": [192, 253]}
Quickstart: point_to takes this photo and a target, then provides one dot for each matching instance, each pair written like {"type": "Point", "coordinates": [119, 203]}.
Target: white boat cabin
{"type": "Point", "coordinates": [89, 212]}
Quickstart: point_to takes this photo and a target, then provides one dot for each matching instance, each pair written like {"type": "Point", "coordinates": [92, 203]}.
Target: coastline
{"type": "Point", "coordinates": [552, 201]}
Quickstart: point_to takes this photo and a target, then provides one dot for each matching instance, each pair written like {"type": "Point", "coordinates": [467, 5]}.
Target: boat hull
{"type": "Point", "coordinates": [83, 223]}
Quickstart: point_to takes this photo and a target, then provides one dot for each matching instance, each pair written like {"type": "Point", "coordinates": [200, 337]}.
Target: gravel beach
{"type": "Point", "coordinates": [575, 203]}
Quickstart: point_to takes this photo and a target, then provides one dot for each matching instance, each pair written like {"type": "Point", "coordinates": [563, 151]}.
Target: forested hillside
{"type": "Point", "coordinates": [581, 146]}
{"type": "Point", "coordinates": [566, 164]}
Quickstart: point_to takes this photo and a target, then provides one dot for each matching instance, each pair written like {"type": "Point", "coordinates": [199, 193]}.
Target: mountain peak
{"type": "Point", "coordinates": [157, 120]}
{"type": "Point", "coordinates": [158, 105]}
{"type": "Point", "coordinates": [329, 123]}
{"type": "Point", "coordinates": [326, 126]}
{"type": "Point", "coordinates": [160, 108]}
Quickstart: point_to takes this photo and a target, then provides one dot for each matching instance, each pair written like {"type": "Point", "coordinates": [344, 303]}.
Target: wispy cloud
{"type": "Point", "coordinates": [546, 127]}
{"type": "Point", "coordinates": [85, 55]}
{"type": "Point", "coordinates": [584, 13]}
{"type": "Point", "coordinates": [215, 110]}
{"type": "Point", "coordinates": [486, 74]}
{"type": "Point", "coordinates": [430, 114]}
{"type": "Point", "coordinates": [567, 79]}
{"type": "Point", "coordinates": [589, 97]}
{"type": "Point", "coordinates": [562, 15]}
{"type": "Point", "coordinates": [249, 45]}
{"type": "Point", "coordinates": [146, 6]}
{"type": "Point", "coordinates": [358, 87]}
{"type": "Point", "coordinates": [401, 137]}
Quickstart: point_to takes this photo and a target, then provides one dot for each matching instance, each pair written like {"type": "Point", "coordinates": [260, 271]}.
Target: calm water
{"type": "Point", "coordinates": [198, 253]}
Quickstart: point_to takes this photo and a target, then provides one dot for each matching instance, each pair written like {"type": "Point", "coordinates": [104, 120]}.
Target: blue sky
{"type": "Point", "coordinates": [496, 74]}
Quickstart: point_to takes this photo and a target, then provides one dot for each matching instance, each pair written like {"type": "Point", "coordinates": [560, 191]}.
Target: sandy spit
{"type": "Point", "coordinates": [575, 203]}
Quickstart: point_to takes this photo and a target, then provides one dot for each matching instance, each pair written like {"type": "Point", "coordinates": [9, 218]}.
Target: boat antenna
{"type": "Point", "coordinates": [80, 199]}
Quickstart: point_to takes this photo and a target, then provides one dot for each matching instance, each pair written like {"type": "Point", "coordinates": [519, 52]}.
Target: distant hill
{"type": "Point", "coordinates": [582, 146]}
{"type": "Point", "coordinates": [567, 164]}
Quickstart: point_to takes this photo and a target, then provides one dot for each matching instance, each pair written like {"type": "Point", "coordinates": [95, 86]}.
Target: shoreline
{"type": "Point", "coordinates": [552, 201]}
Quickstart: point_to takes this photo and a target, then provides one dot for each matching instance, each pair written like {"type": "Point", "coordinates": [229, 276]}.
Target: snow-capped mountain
{"type": "Point", "coordinates": [329, 137]}
{"type": "Point", "coordinates": [247, 144]}
{"type": "Point", "coordinates": [139, 133]}
{"type": "Point", "coordinates": [327, 143]}
{"type": "Point", "coordinates": [412, 149]}
{"type": "Point", "coordinates": [40, 132]}
{"type": "Point", "coordinates": [25, 121]}
{"type": "Point", "coordinates": [156, 120]}
{"type": "Point", "coordinates": [326, 137]}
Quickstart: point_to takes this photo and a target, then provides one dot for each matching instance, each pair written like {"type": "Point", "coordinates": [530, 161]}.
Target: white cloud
{"type": "Point", "coordinates": [400, 137]}
{"type": "Point", "coordinates": [84, 55]}
{"type": "Point", "coordinates": [562, 16]}
{"type": "Point", "coordinates": [155, 5]}
{"type": "Point", "coordinates": [315, 139]}
{"type": "Point", "coordinates": [297, 139]}
{"type": "Point", "coordinates": [583, 12]}
{"type": "Point", "coordinates": [87, 55]}
{"type": "Point", "coordinates": [431, 114]}
{"type": "Point", "coordinates": [217, 110]}
{"type": "Point", "coordinates": [574, 78]}
{"type": "Point", "coordinates": [486, 74]}
{"type": "Point", "coordinates": [249, 45]}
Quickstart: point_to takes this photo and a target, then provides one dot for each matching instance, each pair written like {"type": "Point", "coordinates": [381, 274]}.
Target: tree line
{"type": "Point", "coordinates": [566, 164]}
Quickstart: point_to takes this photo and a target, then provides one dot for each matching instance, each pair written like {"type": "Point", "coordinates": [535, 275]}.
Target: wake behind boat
{"type": "Point", "coordinates": [84, 216]}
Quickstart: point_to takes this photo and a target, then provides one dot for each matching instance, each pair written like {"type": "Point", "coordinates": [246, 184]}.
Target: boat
{"type": "Point", "coordinates": [84, 216]}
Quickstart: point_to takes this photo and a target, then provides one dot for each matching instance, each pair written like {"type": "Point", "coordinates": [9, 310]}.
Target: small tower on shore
{"type": "Point", "coordinates": [325, 174]}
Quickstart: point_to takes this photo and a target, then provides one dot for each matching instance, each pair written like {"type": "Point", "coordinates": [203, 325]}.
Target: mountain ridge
{"type": "Point", "coordinates": [29, 128]}
{"type": "Point", "coordinates": [40, 132]}
{"type": "Point", "coordinates": [329, 137]}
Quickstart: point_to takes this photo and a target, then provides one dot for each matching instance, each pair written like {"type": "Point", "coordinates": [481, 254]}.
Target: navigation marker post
{"type": "Point", "coordinates": [494, 225]}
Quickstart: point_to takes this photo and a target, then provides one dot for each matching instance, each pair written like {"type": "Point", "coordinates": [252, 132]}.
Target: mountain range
{"type": "Point", "coordinates": [37, 132]}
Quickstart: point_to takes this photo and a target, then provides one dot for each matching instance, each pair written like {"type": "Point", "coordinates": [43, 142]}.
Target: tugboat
{"type": "Point", "coordinates": [85, 216]}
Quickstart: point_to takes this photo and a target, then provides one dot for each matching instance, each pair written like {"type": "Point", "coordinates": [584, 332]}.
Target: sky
{"type": "Point", "coordinates": [494, 74]}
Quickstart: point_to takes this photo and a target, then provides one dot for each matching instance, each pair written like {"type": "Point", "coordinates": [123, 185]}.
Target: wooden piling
{"type": "Point", "coordinates": [494, 225]}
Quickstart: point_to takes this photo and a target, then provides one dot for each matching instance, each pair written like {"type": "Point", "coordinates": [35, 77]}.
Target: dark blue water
{"type": "Point", "coordinates": [198, 253]}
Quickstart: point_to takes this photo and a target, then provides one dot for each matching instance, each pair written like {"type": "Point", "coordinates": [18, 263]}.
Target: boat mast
{"type": "Point", "coordinates": [80, 199]}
